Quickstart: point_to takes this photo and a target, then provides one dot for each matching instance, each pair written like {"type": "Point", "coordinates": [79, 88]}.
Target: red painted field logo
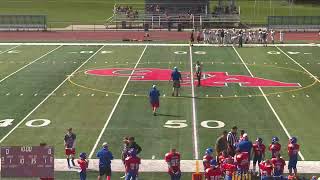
{"type": "Point", "coordinates": [210, 79]}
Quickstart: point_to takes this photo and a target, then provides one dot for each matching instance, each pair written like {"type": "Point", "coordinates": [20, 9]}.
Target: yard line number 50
{"type": "Point", "coordinates": [31, 123]}
{"type": "Point", "coordinates": [210, 124]}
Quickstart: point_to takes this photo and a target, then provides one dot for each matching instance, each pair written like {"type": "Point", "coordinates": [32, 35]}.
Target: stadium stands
{"type": "Point", "coordinates": [294, 23]}
{"type": "Point", "coordinates": [23, 23]}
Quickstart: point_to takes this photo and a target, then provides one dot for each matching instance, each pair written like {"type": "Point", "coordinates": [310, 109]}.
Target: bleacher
{"type": "Point", "coordinates": [23, 23]}
{"type": "Point", "coordinates": [294, 23]}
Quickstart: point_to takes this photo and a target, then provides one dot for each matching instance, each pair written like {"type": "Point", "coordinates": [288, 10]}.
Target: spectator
{"type": "Point", "coordinates": [105, 157]}
{"type": "Point", "coordinates": [232, 140]}
{"type": "Point", "coordinates": [83, 163]}
{"type": "Point", "coordinates": [69, 145]}
{"type": "Point", "coordinates": [221, 144]}
{"type": "Point", "coordinates": [132, 163]}
{"type": "Point", "coordinates": [173, 160]}
{"type": "Point", "coordinates": [133, 145]}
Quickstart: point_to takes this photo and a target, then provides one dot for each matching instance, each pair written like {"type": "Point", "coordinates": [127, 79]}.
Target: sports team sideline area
{"type": "Point", "coordinates": [101, 91]}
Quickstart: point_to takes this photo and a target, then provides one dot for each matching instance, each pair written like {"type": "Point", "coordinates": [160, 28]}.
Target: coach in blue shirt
{"type": "Point", "coordinates": [245, 145]}
{"type": "Point", "coordinates": [105, 157]}
{"type": "Point", "coordinates": [176, 78]}
{"type": "Point", "coordinates": [154, 99]}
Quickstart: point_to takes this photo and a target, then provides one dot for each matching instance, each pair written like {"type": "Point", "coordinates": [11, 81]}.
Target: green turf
{"type": "Point", "coordinates": [62, 13]}
{"type": "Point", "coordinates": [87, 105]}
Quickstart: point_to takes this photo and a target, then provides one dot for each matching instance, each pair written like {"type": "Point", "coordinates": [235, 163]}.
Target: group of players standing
{"type": "Point", "coordinates": [235, 155]}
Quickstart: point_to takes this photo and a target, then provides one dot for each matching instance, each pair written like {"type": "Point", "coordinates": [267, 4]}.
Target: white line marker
{"type": "Point", "coordinates": [35, 94]}
{"type": "Point", "coordinates": [2, 52]}
{"type": "Point", "coordinates": [92, 94]}
{"type": "Point", "coordinates": [44, 100]}
{"type": "Point", "coordinates": [29, 64]}
{"type": "Point", "coordinates": [21, 94]}
{"type": "Point", "coordinates": [107, 94]}
{"type": "Point", "coordinates": [307, 96]}
{"type": "Point", "coordinates": [116, 104]}
{"type": "Point", "coordinates": [64, 94]}
{"type": "Point", "coordinates": [293, 96]}
{"type": "Point", "coordinates": [106, 62]}
{"type": "Point", "coordinates": [221, 95]}
{"type": "Point", "coordinates": [194, 113]}
{"type": "Point", "coordinates": [268, 102]}
{"type": "Point", "coordinates": [78, 95]}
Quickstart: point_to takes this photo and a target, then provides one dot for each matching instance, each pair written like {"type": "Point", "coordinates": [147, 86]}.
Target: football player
{"type": "Point", "coordinates": [176, 78]}
{"type": "Point", "coordinates": [173, 160]}
{"type": "Point", "coordinates": [83, 163]}
{"type": "Point", "coordinates": [214, 172]}
{"type": "Point", "coordinates": [69, 145]}
{"type": "Point", "coordinates": [259, 150]}
{"type": "Point", "coordinates": [278, 166]}
{"type": "Point", "coordinates": [154, 95]}
{"type": "Point", "coordinates": [293, 150]}
{"type": "Point", "coordinates": [266, 170]}
{"type": "Point", "coordinates": [228, 168]}
{"type": "Point", "coordinates": [207, 158]}
{"type": "Point", "coordinates": [275, 147]}
{"type": "Point", "coordinates": [242, 161]}
{"type": "Point", "coordinates": [198, 70]}
{"type": "Point", "coordinates": [132, 163]}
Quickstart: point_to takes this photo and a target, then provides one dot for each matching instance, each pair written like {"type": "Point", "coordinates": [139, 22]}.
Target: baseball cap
{"type": "Point", "coordinates": [105, 144]}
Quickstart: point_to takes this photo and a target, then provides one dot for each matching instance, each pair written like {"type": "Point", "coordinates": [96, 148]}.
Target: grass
{"type": "Point", "coordinates": [63, 13]}
{"type": "Point", "coordinates": [87, 110]}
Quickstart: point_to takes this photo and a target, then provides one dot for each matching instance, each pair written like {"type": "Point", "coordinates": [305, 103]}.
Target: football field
{"type": "Point", "coordinates": [100, 90]}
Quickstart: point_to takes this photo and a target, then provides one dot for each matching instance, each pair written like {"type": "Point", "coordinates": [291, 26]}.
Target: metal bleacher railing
{"type": "Point", "coordinates": [294, 22]}
{"type": "Point", "coordinates": [23, 23]}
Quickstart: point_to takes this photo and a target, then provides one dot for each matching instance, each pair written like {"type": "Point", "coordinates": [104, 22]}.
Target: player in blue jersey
{"type": "Point", "coordinates": [176, 78]}
{"type": "Point", "coordinates": [154, 95]}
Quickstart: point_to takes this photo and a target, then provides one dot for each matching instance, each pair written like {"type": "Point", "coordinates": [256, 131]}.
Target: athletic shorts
{"type": "Point", "coordinates": [155, 104]}
{"type": "Point", "coordinates": [257, 159]}
{"type": "Point", "coordinates": [70, 152]}
{"type": "Point", "coordinates": [105, 171]}
{"type": "Point", "coordinates": [292, 164]}
{"type": "Point", "coordinates": [176, 84]}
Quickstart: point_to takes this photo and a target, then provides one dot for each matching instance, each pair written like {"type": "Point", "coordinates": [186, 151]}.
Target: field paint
{"type": "Point", "coordinates": [308, 72]}
{"type": "Point", "coordinates": [29, 63]}
{"type": "Point", "coordinates": [48, 96]}
{"type": "Point", "coordinates": [268, 102]}
{"type": "Point", "coordinates": [155, 44]}
{"type": "Point", "coordinates": [116, 104]}
{"type": "Point", "coordinates": [2, 52]}
{"type": "Point", "coordinates": [194, 113]}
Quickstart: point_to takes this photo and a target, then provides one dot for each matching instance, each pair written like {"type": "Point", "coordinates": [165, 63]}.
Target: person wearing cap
{"type": "Point", "coordinates": [83, 163]}
{"type": "Point", "coordinates": [105, 157]}
{"type": "Point", "coordinates": [245, 145]}
{"type": "Point", "coordinates": [176, 78]}
{"type": "Point", "coordinates": [69, 145]}
{"type": "Point", "coordinates": [154, 95]}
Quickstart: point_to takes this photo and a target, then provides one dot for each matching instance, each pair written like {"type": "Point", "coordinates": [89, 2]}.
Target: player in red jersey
{"type": "Point", "coordinates": [223, 156]}
{"type": "Point", "coordinates": [83, 163]}
{"type": "Point", "coordinates": [173, 160]}
{"type": "Point", "coordinates": [266, 169]}
{"type": "Point", "coordinates": [214, 172]}
{"type": "Point", "coordinates": [293, 150]}
{"type": "Point", "coordinates": [69, 145]}
{"type": "Point", "coordinates": [258, 152]}
{"type": "Point", "coordinates": [207, 158]}
{"type": "Point", "coordinates": [132, 163]}
{"type": "Point", "coordinates": [228, 168]}
{"type": "Point", "coordinates": [278, 165]}
{"type": "Point", "coordinates": [242, 161]}
{"type": "Point", "coordinates": [275, 147]}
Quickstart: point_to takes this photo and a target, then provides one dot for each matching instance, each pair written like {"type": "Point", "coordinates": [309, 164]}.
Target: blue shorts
{"type": "Point", "coordinates": [227, 177]}
{"type": "Point", "coordinates": [292, 164]}
{"type": "Point", "coordinates": [277, 173]}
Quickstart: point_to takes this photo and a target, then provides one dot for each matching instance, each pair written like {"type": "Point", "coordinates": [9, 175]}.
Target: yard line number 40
{"type": "Point", "coordinates": [211, 124]}
{"type": "Point", "coordinates": [31, 123]}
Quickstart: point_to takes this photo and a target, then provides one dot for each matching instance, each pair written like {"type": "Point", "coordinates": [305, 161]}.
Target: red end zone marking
{"type": "Point", "coordinates": [211, 79]}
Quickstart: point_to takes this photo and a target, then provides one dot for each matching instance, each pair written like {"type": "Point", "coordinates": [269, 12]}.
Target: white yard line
{"type": "Point", "coordinates": [194, 113]}
{"type": "Point", "coordinates": [2, 52]}
{"type": "Point", "coordinates": [268, 102]}
{"type": "Point", "coordinates": [115, 105]}
{"type": "Point", "coordinates": [313, 76]}
{"type": "Point", "coordinates": [47, 97]}
{"type": "Point", "coordinates": [153, 44]}
{"type": "Point", "coordinates": [29, 63]}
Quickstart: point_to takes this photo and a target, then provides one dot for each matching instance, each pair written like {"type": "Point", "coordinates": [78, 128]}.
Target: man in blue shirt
{"type": "Point", "coordinates": [105, 157]}
{"type": "Point", "coordinates": [176, 78]}
{"type": "Point", "coordinates": [245, 145]}
{"type": "Point", "coordinates": [154, 99]}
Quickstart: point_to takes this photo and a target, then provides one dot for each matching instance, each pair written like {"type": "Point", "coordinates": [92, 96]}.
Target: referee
{"type": "Point", "coordinates": [232, 140]}
{"type": "Point", "coordinates": [198, 72]}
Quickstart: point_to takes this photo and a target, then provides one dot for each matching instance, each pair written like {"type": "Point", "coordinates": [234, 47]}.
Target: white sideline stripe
{"type": "Point", "coordinates": [29, 64]}
{"type": "Point", "coordinates": [116, 104]}
{"type": "Point", "coordinates": [154, 44]}
{"type": "Point", "coordinates": [194, 113]}
{"type": "Point", "coordinates": [48, 96]}
{"type": "Point", "coordinates": [2, 52]}
{"type": "Point", "coordinates": [267, 100]}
